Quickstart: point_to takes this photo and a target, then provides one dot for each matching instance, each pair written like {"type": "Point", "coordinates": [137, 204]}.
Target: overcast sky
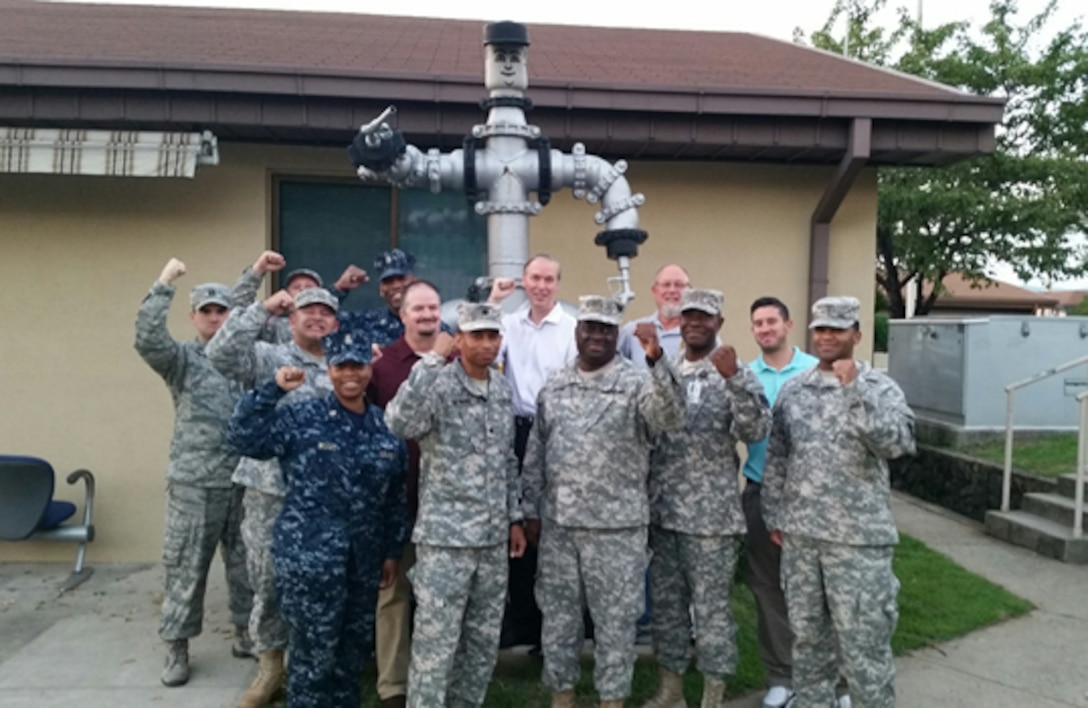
{"type": "Point", "coordinates": [773, 18]}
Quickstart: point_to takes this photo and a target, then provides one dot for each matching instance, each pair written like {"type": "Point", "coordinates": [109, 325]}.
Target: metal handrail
{"type": "Point", "coordinates": [1006, 481]}
{"type": "Point", "coordinates": [1082, 459]}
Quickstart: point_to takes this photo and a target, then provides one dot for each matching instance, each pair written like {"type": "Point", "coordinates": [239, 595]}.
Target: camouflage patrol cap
{"type": "Point", "coordinates": [708, 301]}
{"type": "Point", "coordinates": [478, 316]}
{"type": "Point", "coordinates": [303, 273]}
{"type": "Point", "coordinates": [835, 312]}
{"type": "Point", "coordinates": [209, 294]}
{"type": "Point", "coordinates": [393, 263]}
{"type": "Point", "coordinates": [594, 308]}
{"type": "Point", "coordinates": [346, 345]}
{"type": "Point", "coordinates": [316, 296]}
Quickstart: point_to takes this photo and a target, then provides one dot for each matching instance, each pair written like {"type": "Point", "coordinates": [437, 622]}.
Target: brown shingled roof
{"type": "Point", "coordinates": [410, 46]}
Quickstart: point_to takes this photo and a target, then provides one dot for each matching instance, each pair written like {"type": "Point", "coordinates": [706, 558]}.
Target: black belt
{"type": "Point", "coordinates": [523, 421]}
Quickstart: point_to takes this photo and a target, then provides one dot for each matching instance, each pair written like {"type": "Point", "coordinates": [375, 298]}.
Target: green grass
{"type": "Point", "coordinates": [1047, 456]}
{"type": "Point", "coordinates": [938, 601]}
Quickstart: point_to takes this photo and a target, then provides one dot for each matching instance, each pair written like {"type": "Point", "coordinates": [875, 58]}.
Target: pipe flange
{"type": "Point", "coordinates": [607, 213]}
{"type": "Point", "coordinates": [578, 186]}
{"type": "Point", "coordinates": [508, 130]}
{"type": "Point", "coordinates": [606, 182]}
{"type": "Point", "coordinates": [484, 208]}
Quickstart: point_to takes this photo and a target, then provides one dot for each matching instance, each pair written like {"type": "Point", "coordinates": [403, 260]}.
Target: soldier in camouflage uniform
{"type": "Point", "coordinates": [469, 507]}
{"type": "Point", "coordinates": [278, 329]}
{"type": "Point", "coordinates": [383, 325]}
{"type": "Point", "coordinates": [203, 506]}
{"type": "Point", "coordinates": [236, 352]}
{"type": "Point", "coordinates": [584, 486]}
{"type": "Point", "coordinates": [695, 513]}
{"type": "Point", "coordinates": [826, 499]}
{"type": "Point", "coordinates": [341, 530]}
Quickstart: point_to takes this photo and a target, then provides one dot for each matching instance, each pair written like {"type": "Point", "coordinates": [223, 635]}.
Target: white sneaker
{"type": "Point", "coordinates": [778, 697]}
{"type": "Point", "coordinates": [843, 701]}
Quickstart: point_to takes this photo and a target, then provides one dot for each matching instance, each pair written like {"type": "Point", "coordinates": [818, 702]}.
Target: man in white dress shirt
{"type": "Point", "coordinates": [538, 338]}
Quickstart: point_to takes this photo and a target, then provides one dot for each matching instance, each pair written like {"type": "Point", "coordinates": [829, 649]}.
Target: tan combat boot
{"type": "Point", "coordinates": [268, 680]}
{"type": "Point", "coordinates": [713, 691]}
{"type": "Point", "coordinates": [563, 699]}
{"type": "Point", "coordinates": [611, 704]}
{"type": "Point", "coordinates": [670, 691]}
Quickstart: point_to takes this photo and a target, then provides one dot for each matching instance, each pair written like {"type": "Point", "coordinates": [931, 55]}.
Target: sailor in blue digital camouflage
{"type": "Point", "coordinates": [383, 325]}
{"type": "Point", "coordinates": [277, 330]}
{"type": "Point", "coordinates": [341, 531]}
{"type": "Point", "coordinates": [469, 521]}
{"type": "Point", "coordinates": [826, 498]}
{"type": "Point", "coordinates": [584, 495]}
{"type": "Point", "coordinates": [695, 513]}
{"type": "Point", "coordinates": [203, 506]}
{"type": "Point", "coordinates": [237, 352]}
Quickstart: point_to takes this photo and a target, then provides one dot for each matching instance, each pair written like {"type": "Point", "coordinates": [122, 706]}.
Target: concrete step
{"type": "Point", "coordinates": [1067, 485]}
{"type": "Point", "coordinates": [1054, 507]}
{"type": "Point", "coordinates": [1043, 536]}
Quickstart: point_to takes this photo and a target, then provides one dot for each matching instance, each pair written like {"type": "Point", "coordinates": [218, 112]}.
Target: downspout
{"type": "Point", "coordinates": [857, 156]}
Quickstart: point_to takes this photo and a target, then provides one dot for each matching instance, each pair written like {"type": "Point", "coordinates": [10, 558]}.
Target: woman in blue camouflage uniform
{"type": "Point", "coordinates": [341, 531]}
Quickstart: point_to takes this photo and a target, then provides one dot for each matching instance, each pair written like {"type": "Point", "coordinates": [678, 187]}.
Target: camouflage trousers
{"type": "Point", "coordinates": [198, 519]}
{"type": "Point", "coordinates": [266, 626]}
{"type": "Point", "coordinates": [849, 591]}
{"type": "Point", "coordinates": [328, 598]}
{"type": "Point", "coordinates": [606, 568]}
{"type": "Point", "coordinates": [693, 575]}
{"type": "Point", "coordinates": [460, 594]}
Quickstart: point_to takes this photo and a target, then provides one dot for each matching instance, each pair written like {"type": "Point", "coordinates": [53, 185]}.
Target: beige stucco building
{"type": "Point", "coordinates": [771, 190]}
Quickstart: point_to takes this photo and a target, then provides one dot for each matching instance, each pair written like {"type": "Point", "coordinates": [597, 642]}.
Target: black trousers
{"type": "Point", "coordinates": [521, 623]}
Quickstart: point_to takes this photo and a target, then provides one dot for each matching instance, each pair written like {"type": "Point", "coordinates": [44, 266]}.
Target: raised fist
{"type": "Point", "coordinates": [289, 378]}
{"type": "Point", "coordinates": [173, 270]}
{"type": "Point", "coordinates": [279, 303]}
{"type": "Point", "coordinates": [443, 344]}
{"type": "Point", "coordinates": [724, 359]}
{"type": "Point", "coordinates": [846, 370]}
{"type": "Point", "coordinates": [501, 289]}
{"type": "Point", "coordinates": [268, 262]}
{"type": "Point", "coordinates": [646, 334]}
{"type": "Point", "coordinates": [352, 277]}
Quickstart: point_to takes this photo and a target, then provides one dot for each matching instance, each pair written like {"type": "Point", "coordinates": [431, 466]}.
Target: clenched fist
{"type": "Point", "coordinates": [724, 359]}
{"type": "Point", "coordinates": [846, 370]}
{"type": "Point", "coordinates": [268, 262]}
{"type": "Point", "coordinates": [352, 277]}
{"type": "Point", "coordinates": [646, 334]}
{"type": "Point", "coordinates": [173, 270]}
{"type": "Point", "coordinates": [289, 378]}
{"type": "Point", "coordinates": [501, 289]}
{"type": "Point", "coordinates": [443, 344]}
{"type": "Point", "coordinates": [279, 303]}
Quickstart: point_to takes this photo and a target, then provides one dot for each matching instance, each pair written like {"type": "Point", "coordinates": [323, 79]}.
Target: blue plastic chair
{"type": "Point", "coordinates": [29, 512]}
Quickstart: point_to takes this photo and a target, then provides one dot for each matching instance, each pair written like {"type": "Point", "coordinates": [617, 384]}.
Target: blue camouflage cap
{"type": "Point", "coordinates": [209, 294]}
{"type": "Point", "coordinates": [835, 312]}
{"type": "Point", "coordinates": [346, 345]}
{"type": "Point", "coordinates": [595, 308]}
{"type": "Point", "coordinates": [316, 296]}
{"type": "Point", "coordinates": [393, 263]}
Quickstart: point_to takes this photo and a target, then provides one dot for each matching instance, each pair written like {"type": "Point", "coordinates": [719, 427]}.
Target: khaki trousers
{"type": "Point", "coordinates": [393, 633]}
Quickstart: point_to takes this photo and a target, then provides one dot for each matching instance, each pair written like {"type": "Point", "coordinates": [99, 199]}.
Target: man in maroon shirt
{"type": "Point", "coordinates": [419, 312]}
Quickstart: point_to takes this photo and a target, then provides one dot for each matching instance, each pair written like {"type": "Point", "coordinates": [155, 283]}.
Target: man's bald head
{"type": "Point", "coordinates": [670, 282]}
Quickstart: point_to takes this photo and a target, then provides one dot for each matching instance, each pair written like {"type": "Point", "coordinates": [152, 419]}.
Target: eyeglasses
{"type": "Point", "coordinates": [674, 285]}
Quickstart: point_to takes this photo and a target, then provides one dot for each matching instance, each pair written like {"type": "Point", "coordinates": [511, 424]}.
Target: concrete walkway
{"type": "Point", "coordinates": [97, 647]}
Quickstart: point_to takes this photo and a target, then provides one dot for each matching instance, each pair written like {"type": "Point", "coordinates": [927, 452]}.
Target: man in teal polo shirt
{"type": "Point", "coordinates": [779, 362]}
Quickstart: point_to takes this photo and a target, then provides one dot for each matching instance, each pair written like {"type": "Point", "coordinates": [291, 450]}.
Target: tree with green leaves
{"type": "Point", "coordinates": [1026, 204]}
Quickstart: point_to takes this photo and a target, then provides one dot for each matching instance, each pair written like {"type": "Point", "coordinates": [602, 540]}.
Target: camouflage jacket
{"type": "Point", "coordinates": [203, 398]}
{"type": "Point", "coordinates": [827, 473]}
{"type": "Point", "coordinates": [382, 325]}
{"type": "Point", "coordinates": [588, 454]}
{"type": "Point", "coordinates": [694, 470]}
{"type": "Point", "coordinates": [236, 352]}
{"type": "Point", "coordinates": [345, 475]}
{"type": "Point", "coordinates": [468, 479]}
